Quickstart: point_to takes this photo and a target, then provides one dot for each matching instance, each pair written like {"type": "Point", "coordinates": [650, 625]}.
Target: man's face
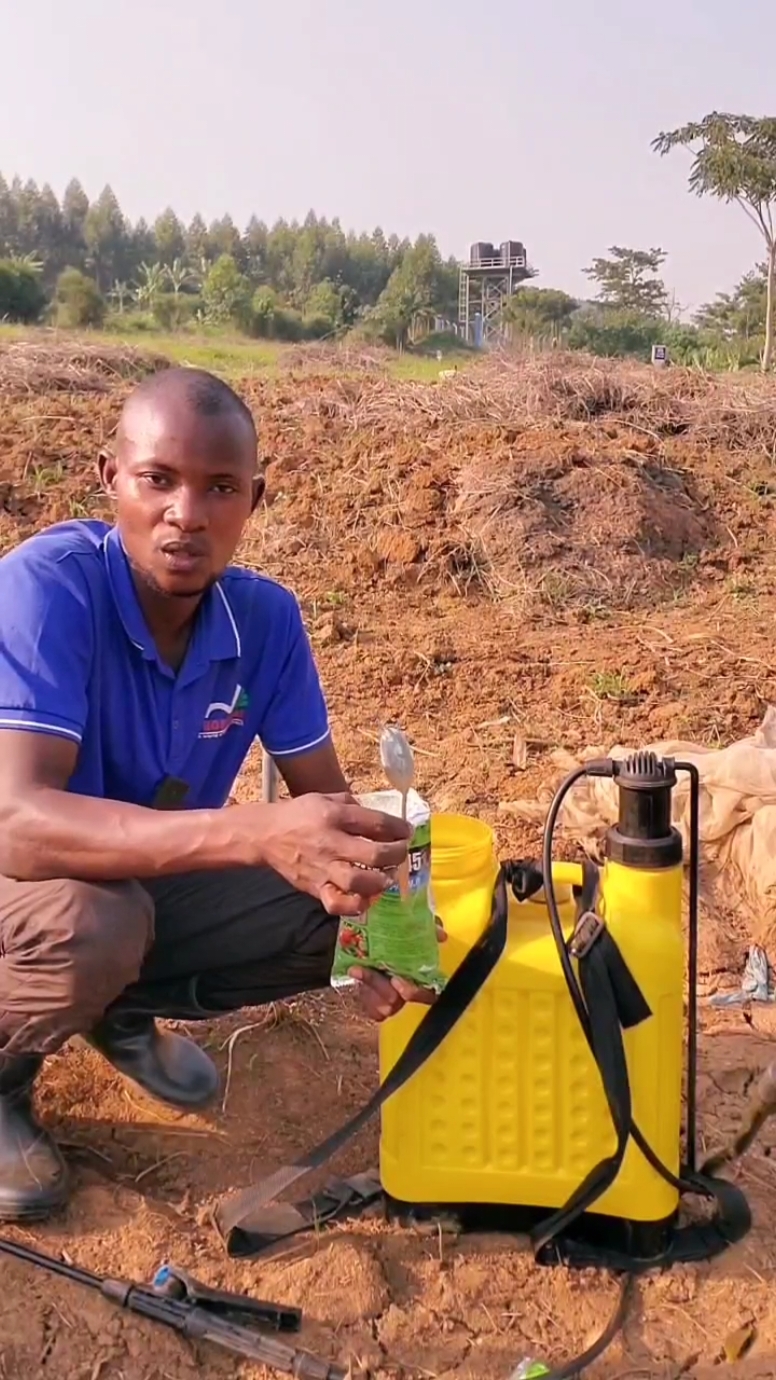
{"type": "Point", "coordinates": [184, 486]}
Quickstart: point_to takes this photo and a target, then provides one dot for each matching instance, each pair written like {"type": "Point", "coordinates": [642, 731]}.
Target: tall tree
{"type": "Point", "coordinates": [28, 219]}
{"type": "Point", "coordinates": [224, 238]}
{"type": "Point", "coordinates": [734, 160]}
{"type": "Point", "coordinates": [630, 281]}
{"type": "Point", "coordinates": [7, 219]}
{"type": "Point", "coordinates": [255, 245]}
{"type": "Point", "coordinates": [197, 241]}
{"type": "Point", "coordinates": [540, 312]}
{"type": "Point", "coordinates": [141, 248]}
{"type": "Point", "coordinates": [75, 208]}
{"type": "Point", "coordinates": [106, 238]}
{"type": "Point", "coordinates": [413, 292]}
{"type": "Point", "coordinates": [170, 237]}
{"type": "Point", "coordinates": [50, 234]}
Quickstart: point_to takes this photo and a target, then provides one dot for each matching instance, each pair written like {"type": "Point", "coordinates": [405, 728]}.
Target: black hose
{"type": "Point", "coordinates": [606, 768]}
{"type": "Point", "coordinates": [692, 964]}
{"type": "Point", "coordinates": [552, 904]}
{"type": "Point", "coordinates": [574, 1368]}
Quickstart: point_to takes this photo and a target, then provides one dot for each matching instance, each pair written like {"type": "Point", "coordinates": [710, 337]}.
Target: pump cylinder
{"type": "Point", "coordinates": [643, 836]}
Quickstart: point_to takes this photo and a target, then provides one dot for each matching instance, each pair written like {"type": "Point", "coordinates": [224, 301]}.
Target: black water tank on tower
{"type": "Point", "coordinates": [480, 252]}
{"type": "Point", "coordinates": [512, 249]}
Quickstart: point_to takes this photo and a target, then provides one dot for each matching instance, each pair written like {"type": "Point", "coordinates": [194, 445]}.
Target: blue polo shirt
{"type": "Point", "coordinates": [77, 660]}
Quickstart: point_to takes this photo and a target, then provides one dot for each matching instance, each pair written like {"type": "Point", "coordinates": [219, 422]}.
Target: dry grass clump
{"type": "Point", "coordinates": [335, 357]}
{"type": "Point", "coordinates": [737, 411]}
{"type": "Point", "coordinates": [36, 367]}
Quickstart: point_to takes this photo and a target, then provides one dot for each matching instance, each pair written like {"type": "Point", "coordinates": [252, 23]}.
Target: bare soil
{"type": "Point", "coordinates": [568, 554]}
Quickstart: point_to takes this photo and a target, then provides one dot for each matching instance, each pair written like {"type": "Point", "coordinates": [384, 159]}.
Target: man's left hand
{"type": "Point", "coordinates": [383, 996]}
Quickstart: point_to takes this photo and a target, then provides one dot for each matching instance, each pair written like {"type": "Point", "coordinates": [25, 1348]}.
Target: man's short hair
{"type": "Point", "coordinates": [208, 395]}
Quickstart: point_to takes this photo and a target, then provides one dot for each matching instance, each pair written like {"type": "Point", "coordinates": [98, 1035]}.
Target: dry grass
{"type": "Point", "coordinates": [738, 411]}
{"type": "Point", "coordinates": [37, 367]}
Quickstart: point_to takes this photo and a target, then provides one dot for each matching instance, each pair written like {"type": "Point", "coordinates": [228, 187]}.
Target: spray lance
{"type": "Point", "coordinates": [178, 1301]}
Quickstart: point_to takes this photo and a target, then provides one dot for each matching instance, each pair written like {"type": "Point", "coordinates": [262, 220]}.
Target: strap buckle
{"type": "Point", "coordinates": [587, 930]}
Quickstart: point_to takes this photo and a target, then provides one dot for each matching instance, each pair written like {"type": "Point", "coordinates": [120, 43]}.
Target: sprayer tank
{"type": "Point", "coordinates": [510, 1109]}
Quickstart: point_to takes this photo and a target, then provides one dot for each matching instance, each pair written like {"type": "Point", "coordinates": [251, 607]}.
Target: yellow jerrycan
{"type": "Point", "coordinates": [510, 1110]}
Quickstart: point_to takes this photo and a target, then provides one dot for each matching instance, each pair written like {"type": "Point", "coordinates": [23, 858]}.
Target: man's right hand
{"type": "Point", "coordinates": [332, 848]}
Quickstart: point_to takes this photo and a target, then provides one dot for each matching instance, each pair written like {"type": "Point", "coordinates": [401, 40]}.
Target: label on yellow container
{"type": "Point", "coordinates": [398, 935]}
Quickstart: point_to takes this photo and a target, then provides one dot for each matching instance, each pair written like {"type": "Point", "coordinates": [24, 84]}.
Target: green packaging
{"type": "Point", "coordinates": [397, 936]}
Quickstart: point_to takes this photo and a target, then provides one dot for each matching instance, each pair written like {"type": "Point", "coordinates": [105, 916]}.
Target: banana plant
{"type": "Point", "coordinates": [179, 275]}
{"type": "Point", "coordinates": [152, 278]}
{"type": "Point", "coordinates": [120, 293]}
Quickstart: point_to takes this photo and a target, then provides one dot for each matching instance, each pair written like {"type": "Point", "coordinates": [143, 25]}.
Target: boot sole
{"type": "Point", "coordinates": [189, 1106]}
{"type": "Point", "coordinates": [33, 1212]}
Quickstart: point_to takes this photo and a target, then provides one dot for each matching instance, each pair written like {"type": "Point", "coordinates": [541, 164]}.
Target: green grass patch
{"type": "Point", "coordinates": [611, 685]}
{"type": "Point", "coordinates": [425, 370]}
{"type": "Point", "coordinates": [230, 355]}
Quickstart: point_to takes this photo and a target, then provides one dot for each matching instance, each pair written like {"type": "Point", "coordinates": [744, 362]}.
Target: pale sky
{"type": "Point", "coordinates": [503, 119]}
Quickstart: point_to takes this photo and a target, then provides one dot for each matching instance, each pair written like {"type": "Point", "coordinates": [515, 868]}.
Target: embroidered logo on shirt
{"type": "Point", "coordinates": [221, 717]}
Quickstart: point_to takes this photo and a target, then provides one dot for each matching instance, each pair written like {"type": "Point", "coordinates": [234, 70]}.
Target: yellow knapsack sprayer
{"type": "Point", "coordinates": [545, 1084]}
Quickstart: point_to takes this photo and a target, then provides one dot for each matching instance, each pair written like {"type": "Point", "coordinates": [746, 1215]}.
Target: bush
{"type": "Point", "coordinates": [264, 309]}
{"type": "Point", "coordinates": [271, 321]}
{"type": "Point", "coordinates": [131, 323]}
{"type": "Point", "coordinates": [22, 296]}
{"type": "Point", "coordinates": [77, 300]}
{"type": "Point", "coordinates": [318, 327]}
{"type": "Point", "coordinates": [226, 294]}
{"type": "Point", "coordinates": [172, 311]}
{"type": "Point", "coordinates": [442, 342]}
{"type": "Point", "coordinates": [616, 334]}
{"type": "Point", "coordinates": [289, 324]}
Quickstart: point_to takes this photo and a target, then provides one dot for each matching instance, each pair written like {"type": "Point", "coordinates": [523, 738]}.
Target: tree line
{"type": "Point", "coordinates": [77, 262]}
{"type": "Point", "coordinates": [81, 260]}
{"type": "Point", "coordinates": [631, 310]}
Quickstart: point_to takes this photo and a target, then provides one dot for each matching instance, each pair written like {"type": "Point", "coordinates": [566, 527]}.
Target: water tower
{"type": "Point", "coordinates": [485, 285]}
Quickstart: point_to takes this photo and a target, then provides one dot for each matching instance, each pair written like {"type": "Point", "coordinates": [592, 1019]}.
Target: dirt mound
{"type": "Point", "coordinates": [583, 526]}
{"type": "Point", "coordinates": [64, 367]}
{"type": "Point", "coordinates": [467, 483]}
{"type": "Point", "coordinates": [486, 483]}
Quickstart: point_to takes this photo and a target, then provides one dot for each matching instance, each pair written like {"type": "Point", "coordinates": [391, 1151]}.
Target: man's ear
{"type": "Point", "coordinates": [106, 469]}
{"type": "Point", "coordinates": [257, 491]}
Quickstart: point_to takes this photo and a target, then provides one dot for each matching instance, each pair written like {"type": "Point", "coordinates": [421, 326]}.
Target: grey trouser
{"type": "Point", "coordinates": [185, 946]}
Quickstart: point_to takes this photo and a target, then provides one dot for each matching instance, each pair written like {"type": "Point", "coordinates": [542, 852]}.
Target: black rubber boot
{"type": "Point", "coordinates": [33, 1175]}
{"type": "Point", "coordinates": [168, 1066]}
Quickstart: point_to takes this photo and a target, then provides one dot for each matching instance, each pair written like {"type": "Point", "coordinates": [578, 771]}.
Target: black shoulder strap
{"type": "Point", "coordinates": [603, 1001]}
{"type": "Point", "coordinates": [240, 1219]}
{"type": "Point", "coordinates": [614, 1002]}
